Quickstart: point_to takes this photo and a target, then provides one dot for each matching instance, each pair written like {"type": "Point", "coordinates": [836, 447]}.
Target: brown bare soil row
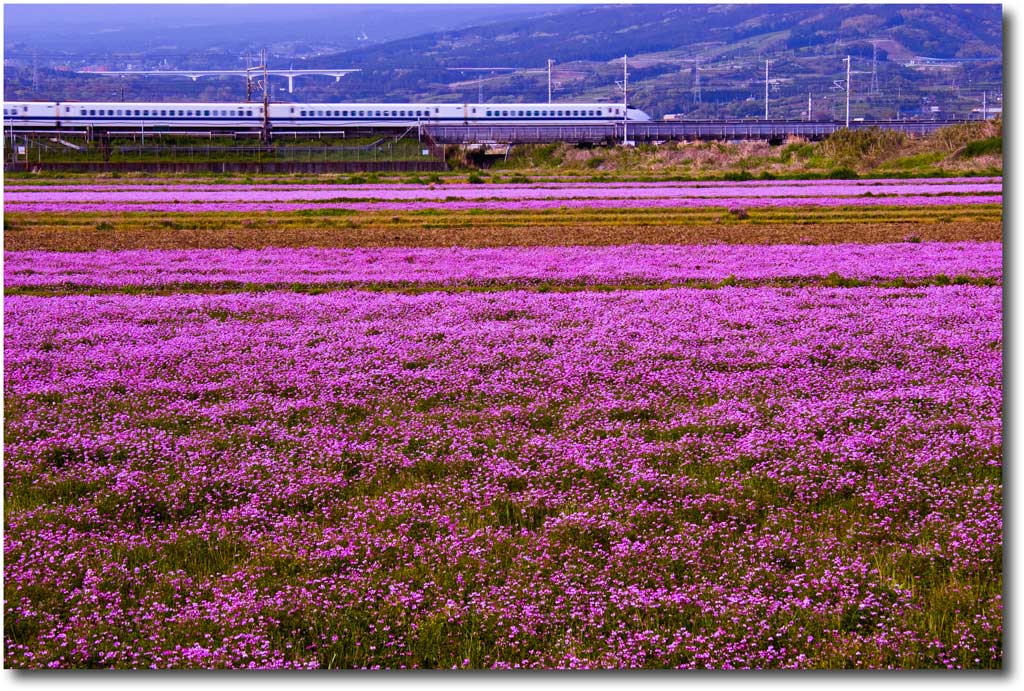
{"type": "Point", "coordinates": [85, 232]}
{"type": "Point", "coordinates": [495, 286]}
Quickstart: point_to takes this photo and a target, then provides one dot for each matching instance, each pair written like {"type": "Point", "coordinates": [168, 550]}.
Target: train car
{"type": "Point", "coordinates": [29, 114]}
{"type": "Point", "coordinates": [325, 115]}
{"type": "Point", "coordinates": [181, 116]}
{"type": "Point", "coordinates": [195, 116]}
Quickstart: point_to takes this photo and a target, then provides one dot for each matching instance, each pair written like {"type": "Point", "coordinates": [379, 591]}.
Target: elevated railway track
{"type": "Point", "coordinates": [98, 149]}
{"type": "Point", "coordinates": [665, 131]}
{"type": "Point", "coordinates": [467, 134]}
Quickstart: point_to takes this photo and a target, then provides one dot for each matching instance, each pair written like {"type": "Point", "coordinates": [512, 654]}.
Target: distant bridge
{"type": "Point", "coordinates": [771, 130]}
{"type": "Point", "coordinates": [194, 75]}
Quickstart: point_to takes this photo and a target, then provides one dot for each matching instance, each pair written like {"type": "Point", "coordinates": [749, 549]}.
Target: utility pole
{"type": "Point", "coordinates": [874, 68]}
{"type": "Point", "coordinates": [766, 89]}
{"type": "Point", "coordinates": [984, 105]}
{"type": "Point", "coordinates": [847, 92]}
{"type": "Point", "coordinates": [899, 102]}
{"type": "Point", "coordinates": [248, 79]}
{"type": "Point", "coordinates": [625, 100]}
{"type": "Point", "coordinates": [550, 63]}
{"type": "Point", "coordinates": [266, 98]}
{"type": "Point", "coordinates": [808, 106]}
{"type": "Point", "coordinates": [696, 81]}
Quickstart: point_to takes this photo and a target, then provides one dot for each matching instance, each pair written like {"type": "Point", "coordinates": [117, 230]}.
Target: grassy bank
{"type": "Point", "coordinates": [971, 149]}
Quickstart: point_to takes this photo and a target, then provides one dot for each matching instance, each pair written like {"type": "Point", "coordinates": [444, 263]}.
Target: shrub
{"type": "Point", "coordinates": [842, 174]}
{"type": "Point", "coordinates": [851, 147]}
{"type": "Point", "coordinates": [982, 147]}
{"type": "Point", "coordinates": [475, 179]}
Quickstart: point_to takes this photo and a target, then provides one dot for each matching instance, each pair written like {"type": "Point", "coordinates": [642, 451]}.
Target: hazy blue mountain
{"type": "Point", "coordinates": [105, 31]}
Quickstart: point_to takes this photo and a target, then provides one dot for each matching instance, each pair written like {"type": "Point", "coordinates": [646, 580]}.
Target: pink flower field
{"type": "Point", "coordinates": [632, 456]}
{"type": "Point", "coordinates": [177, 198]}
{"type": "Point", "coordinates": [582, 265]}
{"type": "Point", "coordinates": [733, 478]}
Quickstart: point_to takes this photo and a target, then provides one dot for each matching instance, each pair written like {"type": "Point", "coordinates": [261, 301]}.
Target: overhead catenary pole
{"type": "Point", "coordinates": [266, 98]}
{"type": "Point", "coordinates": [984, 105]}
{"type": "Point", "coordinates": [808, 106]}
{"type": "Point", "coordinates": [696, 81]}
{"type": "Point", "coordinates": [847, 92]}
{"type": "Point", "coordinates": [766, 89]}
{"type": "Point", "coordinates": [625, 100]}
{"type": "Point", "coordinates": [550, 63]}
{"type": "Point", "coordinates": [248, 79]}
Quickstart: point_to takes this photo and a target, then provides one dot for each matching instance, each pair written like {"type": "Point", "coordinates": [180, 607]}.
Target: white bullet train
{"type": "Point", "coordinates": [192, 116]}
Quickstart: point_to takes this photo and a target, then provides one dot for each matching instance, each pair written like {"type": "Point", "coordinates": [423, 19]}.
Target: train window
{"type": "Point", "coordinates": [362, 113]}
{"type": "Point", "coordinates": [488, 113]}
{"type": "Point", "coordinates": [92, 112]}
{"type": "Point", "coordinates": [378, 113]}
{"type": "Point", "coordinates": [249, 113]}
{"type": "Point", "coordinates": [206, 113]}
{"type": "Point", "coordinates": [302, 113]}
